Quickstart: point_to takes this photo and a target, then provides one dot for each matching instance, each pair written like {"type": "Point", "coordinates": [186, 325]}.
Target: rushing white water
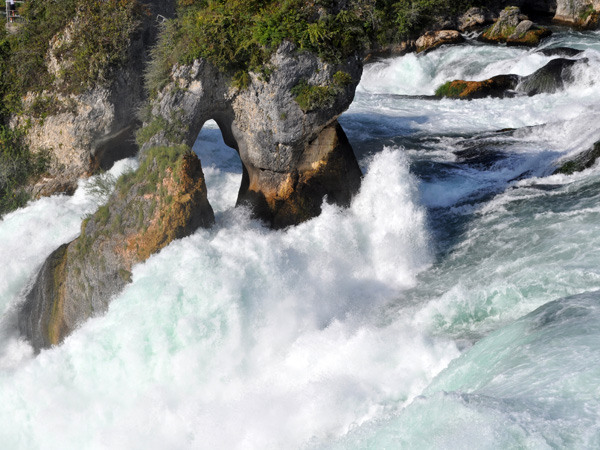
{"type": "Point", "coordinates": [433, 313]}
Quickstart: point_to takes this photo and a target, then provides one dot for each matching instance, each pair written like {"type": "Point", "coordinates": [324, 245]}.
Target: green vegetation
{"type": "Point", "coordinates": [17, 166]}
{"type": "Point", "coordinates": [451, 89]}
{"type": "Point", "coordinates": [153, 168]}
{"type": "Point", "coordinates": [311, 97]}
{"type": "Point", "coordinates": [239, 36]}
{"type": "Point", "coordinates": [97, 44]}
{"type": "Point", "coordinates": [88, 51]}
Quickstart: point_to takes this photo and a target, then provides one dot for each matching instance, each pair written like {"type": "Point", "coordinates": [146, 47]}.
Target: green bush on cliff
{"type": "Point", "coordinates": [90, 37]}
{"type": "Point", "coordinates": [17, 166]}
{"type": "Point", "coordinates": [241, 35]}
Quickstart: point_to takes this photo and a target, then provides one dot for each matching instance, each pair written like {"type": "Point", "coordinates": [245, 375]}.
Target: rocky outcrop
{"type": "Point", "coordinates": [514, 28]}
{"type": "Point", "coordinates": [583, 161]}
{"type": "Point", "coordinates": [283, 126]}
{"type": "Point", "coordinates": [580, 13]}
{"type": "Point", "coordinates": [294, 154]}
{"type": "Point", "coordinates": [89, 130]}
{"type": "Point", "coordinates": [434, 39]}
{"type": "Point", "coordinates": [553, 77]}
{"type": "Point", "coordinates": [164, 200]}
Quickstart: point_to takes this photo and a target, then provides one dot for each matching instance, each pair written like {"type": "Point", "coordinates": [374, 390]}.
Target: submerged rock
{"type": "Point", "coordinates": [583, 161]}
{"type": "Point", "coordinates": [565, 52]}
{"type": "Point", "coordinates": [514, 28]}
{"type": "Point", "coordinates": [434, 39]}
{"type": "Point", "coordinates": [164, 200]}
{"type": "Point", "coordinates": [467, 90]}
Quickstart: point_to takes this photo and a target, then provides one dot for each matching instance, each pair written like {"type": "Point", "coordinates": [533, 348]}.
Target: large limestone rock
{"type": "Point", "coordinates": [88, 130]}
{"type": "Point", "coordinates": [581, 13]}
{"type": "Point", "coordinates": [284, 128]}
{"type": "Point", "coordinates": [163, 201]}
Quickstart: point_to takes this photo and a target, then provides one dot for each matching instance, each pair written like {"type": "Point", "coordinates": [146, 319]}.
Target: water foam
{"type": "Point", "coordinates": [250, 339]}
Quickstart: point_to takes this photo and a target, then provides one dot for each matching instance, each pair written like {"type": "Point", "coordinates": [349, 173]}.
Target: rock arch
{"type": "Point", "coordinates": [293, 152]}
{"type": "Point", "coordinates": [291, 157]}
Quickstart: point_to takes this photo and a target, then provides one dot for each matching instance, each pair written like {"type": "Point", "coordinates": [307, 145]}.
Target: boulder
{"type": "Point", "coordinates": [164, 200]}
{"type": "Point", "coordinates": [579, 13]}
{"type": "Point", "coordinates": [550, 78]}
{"type": "Point", "coordinates": [514, 28]}
{"type": "Point", "coordinates": [434, 39]}
{"type": "Point", "coordinates": [467, 90]}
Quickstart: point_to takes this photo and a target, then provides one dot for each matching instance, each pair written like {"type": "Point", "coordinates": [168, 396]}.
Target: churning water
{"type": "Point", "coordinates": [454, 305]}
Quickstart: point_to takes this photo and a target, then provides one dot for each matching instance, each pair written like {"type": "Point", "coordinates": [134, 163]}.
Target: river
{"type": "Point", "coordinates": [455, 304]}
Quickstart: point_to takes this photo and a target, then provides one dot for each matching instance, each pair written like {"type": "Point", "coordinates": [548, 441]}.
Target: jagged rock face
{"type": "Point", "coordinates": [91, 130]}
{"type": "Point", "coordinates": [581, 13]}
{"type": "Point", "coordinates": [165, 200]}
{"type": "Point", "coordinates": [273, 135]}
{"type": "Point", "coordinates": [514, 28]}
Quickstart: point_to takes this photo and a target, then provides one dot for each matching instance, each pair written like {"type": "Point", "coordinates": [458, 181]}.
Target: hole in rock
{"type": "Point", "coordinates": [221, 165]}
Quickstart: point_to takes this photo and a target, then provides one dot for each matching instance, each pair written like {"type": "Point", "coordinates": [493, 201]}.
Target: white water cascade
{"type": "Point", "coordinates": [454, 305]}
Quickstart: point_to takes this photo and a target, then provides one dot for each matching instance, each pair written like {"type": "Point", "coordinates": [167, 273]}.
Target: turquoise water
{"type": "Point", "coordinates": [454, 305]}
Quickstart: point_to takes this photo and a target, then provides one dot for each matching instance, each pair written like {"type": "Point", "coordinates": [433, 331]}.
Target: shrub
{"type": "Point", "coordinates": [18, 166]}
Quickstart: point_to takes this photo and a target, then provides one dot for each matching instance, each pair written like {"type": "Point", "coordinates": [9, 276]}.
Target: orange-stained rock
{"type": "Point", "coordinates": [165, 200]}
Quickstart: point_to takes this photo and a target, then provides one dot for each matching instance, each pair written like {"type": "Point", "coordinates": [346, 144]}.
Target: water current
{"type": "Point", "coordinates": [454, 305]}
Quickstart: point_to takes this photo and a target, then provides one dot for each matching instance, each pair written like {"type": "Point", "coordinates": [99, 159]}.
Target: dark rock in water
{"type": "Point", "coordinates": [434, 39]}
{"type": "Point", "coordinates": [550, 78]}
{"type": "Point", "coordinates": [164, 200]}
{"type": "Point", "coordinates": [467, 90]}
{"type": "Point", "coordinates": [561, 51]}
{"type": "Point", "coordinates": [514, 28]}
{"type": "Point", "coordinates": [584, 160]}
